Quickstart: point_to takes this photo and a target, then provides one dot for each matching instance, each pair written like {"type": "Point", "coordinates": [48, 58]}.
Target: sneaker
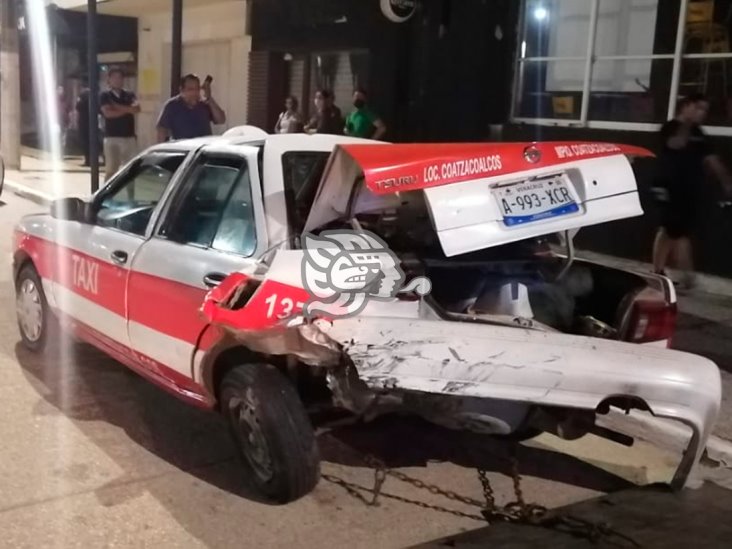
{"type": "Point", "coordinates": [689, 282]}
{"type": "Point", "coordinates": [678, 285]}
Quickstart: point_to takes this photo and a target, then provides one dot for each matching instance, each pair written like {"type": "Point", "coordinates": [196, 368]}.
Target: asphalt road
{"type": "Point", "coordinates": [94, 456]}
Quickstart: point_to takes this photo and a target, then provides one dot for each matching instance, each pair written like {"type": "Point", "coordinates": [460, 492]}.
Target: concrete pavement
{"type": "Point", "coordinates": [94, 456]}
{"type": "Point", "coordinates": [40, 181]}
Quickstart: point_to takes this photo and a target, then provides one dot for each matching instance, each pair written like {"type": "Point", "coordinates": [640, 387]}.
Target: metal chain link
{"type": "Point", "coordinates": [487, 488]}
{"type": "Point", "coordinates": [517, 511]}
{"type": "Point", "coordinates": [356, 491]}
{"type": "Point", "coordinates": [372, 461]}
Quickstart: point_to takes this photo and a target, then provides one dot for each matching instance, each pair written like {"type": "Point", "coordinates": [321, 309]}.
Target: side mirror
{"type": "Point", "coordinates": [69, 209]}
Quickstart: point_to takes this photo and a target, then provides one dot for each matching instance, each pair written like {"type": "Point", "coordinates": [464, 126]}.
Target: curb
{"type": "Point", "coordinates": [29, 193]}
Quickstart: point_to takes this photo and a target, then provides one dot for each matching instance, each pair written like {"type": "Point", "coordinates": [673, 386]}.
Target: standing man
{"type": "Point", "coordinates": [188, 115]}
{"type": "Point", "coordinates": [119, 108]}
{"type": "Point", "coordinates": [363, 122]}
{"type": "Point", "coordinates": [327, 117]}
{"type": "Point", "coordinates": [82, 121]}
{"type": "Point", "coordinates": [63, 117]}
{"type": "Point", "coordinates": [686, 154]}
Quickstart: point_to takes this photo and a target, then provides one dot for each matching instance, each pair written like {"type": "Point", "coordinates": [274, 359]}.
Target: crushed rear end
{"type": "Point", "coordinates": [480, 363]}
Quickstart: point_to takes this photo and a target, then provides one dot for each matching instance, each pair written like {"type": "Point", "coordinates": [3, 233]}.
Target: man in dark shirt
{"type": "Point", "coordinates": [686, 154]}
{"type": "Point", "coordinates": [187, 115]}
{"type": "Point", "coordinates": [82, 122]}
{"type": "Point", "coordinates": [119, 108]}
{"type": "Point", "coordinates": [328, 117]}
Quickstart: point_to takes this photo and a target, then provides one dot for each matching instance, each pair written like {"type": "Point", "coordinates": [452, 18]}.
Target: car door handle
{"type": "Point", "coordinates": [119, 257]}
{"type": "Point", "coordinates": [213, 279]}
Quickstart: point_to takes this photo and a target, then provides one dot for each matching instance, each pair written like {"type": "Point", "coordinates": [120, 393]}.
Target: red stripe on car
{"type": "Point", "coordinates": [408, 167]}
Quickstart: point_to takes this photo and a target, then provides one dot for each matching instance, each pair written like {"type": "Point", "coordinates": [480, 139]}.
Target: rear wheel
{"type": "Point", "coordinates": [35, 320]}
{"type": "Point", "coordinates": [273, 433]}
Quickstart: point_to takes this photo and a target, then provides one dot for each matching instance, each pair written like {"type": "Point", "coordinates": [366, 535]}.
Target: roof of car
{"type": "Point", "coordinates": [294, 141]}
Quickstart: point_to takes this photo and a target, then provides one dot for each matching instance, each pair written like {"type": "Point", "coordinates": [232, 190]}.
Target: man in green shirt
{"type": "Point", "coordinates": [362, 122]}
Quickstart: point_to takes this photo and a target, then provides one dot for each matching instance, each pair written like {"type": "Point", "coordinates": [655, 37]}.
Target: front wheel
{"type": "Point", "coordinates": [35, 319]}
{"type": "Point", "coordinates": [273, 433]}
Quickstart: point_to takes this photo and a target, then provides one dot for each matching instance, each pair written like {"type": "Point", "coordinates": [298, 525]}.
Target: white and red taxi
{"type": "Point", "coordinates": [186, 267]}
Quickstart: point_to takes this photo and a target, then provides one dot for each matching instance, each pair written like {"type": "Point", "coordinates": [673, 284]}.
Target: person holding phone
{"type": "Point", "coordinates": [188, 114]}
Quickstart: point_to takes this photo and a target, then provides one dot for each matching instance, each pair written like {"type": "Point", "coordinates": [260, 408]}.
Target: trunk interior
{"type": "Point", "coordinates": [523, 279]}
{"type": "Point", "coordinates": [587, 299]}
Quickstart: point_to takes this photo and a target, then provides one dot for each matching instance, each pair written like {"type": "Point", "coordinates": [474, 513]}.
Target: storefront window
{"type": "Point", "coordinates": [338, 71]}
{"type": "Point", "coordinates": [630, 90]}
{"type": "Point", "coordinates": [550, 89]}
{"type": "Point", "coordinates": [622, 63]}
{"type": "Point", "coordinates": [707, 57]}
{"type": "Point", "coordinates": [556, 28]}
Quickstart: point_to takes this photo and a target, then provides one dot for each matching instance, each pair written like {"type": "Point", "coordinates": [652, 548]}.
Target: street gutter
{"type": "Point", "coordinates": [29, 193]}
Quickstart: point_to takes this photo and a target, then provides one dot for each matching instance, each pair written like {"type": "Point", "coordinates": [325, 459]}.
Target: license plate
{"type": "Point", "coordinates": [530, 201]}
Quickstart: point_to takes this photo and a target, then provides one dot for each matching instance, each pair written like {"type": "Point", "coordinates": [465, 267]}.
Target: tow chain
{"type": "Point", "coordinates": [517, 511]}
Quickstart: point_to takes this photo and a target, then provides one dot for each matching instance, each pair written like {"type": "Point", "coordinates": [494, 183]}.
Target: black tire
{"type": "Point", "coordinates": [272, 431]}
{"type": "Point", "coordinates": [36, 342]}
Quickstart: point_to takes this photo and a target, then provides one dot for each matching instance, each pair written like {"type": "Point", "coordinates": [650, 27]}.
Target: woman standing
{"type": "Point", "coordinates": [290, 120]}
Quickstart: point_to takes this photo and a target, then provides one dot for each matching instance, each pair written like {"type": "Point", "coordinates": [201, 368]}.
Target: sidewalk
{"type": "Point", "coordinates": [706, 283]}
{"type": "Point", "coordinates": [38, 181]}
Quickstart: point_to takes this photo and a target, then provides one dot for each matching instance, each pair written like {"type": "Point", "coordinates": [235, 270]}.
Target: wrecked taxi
{"type": "Point", "coordinates": [267, 277]}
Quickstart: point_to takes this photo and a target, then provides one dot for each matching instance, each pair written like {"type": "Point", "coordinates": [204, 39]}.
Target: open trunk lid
{"type": "Point", "coordinates": [486, 194]}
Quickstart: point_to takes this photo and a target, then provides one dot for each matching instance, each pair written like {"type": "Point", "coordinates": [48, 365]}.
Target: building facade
{"type": "Point", "coordinates": [477, 70]}
{"type": "Point", "coordinates": [434, 69]}
{"type": "Point", "coordinates": [67, 30]}
{"type": "Point", "coordinates": [215, 42]}
{"type": "Point", "coordinates": [614, 70]}
{"type": "Point", "coordinates": [464, 70]}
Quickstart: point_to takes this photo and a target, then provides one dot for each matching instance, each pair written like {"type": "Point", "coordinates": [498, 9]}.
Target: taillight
{"type": "Point", "coordinates": [652, 321]}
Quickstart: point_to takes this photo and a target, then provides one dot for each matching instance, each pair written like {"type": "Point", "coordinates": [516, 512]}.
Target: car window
{"type": "Point", "coordinates": [302, 172]}
{"type": "Point", "coordinates": [236, 232]}
{"type": "Point", "coordinates": [216, 210]}
{"type": "Point", "coordinates": [130, 204]}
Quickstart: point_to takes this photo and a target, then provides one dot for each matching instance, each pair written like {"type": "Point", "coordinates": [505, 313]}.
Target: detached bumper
{"type": "Point", "coordinates": [512, 364]}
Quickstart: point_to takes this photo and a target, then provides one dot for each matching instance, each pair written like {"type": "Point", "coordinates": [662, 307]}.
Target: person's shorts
{"type": "Point", "coordinates": [679, 220]}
